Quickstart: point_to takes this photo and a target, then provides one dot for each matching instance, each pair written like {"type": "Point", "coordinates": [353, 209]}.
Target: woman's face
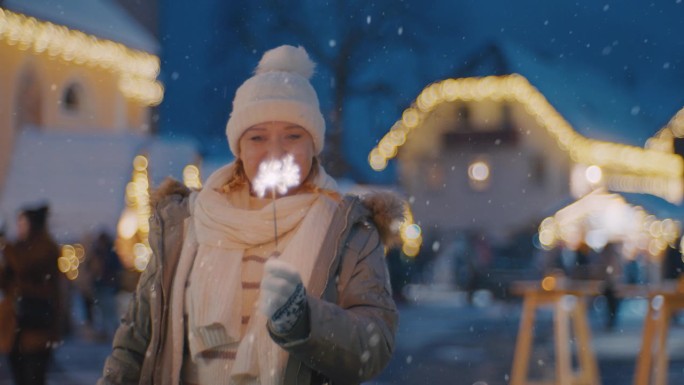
{"type": "Point", "coordinates": [23, 227]}
{"type": "Point", "coordinates": [274, 140]}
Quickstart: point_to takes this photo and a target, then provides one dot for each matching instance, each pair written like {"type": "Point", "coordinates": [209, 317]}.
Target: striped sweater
{"type": "Point", "coordinates": [215, 365]}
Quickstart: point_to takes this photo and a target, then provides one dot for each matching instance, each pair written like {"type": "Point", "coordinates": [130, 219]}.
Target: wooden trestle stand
{"type": "Point", "coordinates": [653, 358]}
{"type": "Point", "coordinates": [569, 314]}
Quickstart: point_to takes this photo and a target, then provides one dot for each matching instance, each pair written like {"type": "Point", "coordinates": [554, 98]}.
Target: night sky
{"type": "Point", "coordinates": [621, 62]}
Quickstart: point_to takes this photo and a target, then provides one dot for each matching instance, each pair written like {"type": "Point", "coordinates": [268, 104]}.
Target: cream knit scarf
{"type": "Point", "coordinates": [223, 233]}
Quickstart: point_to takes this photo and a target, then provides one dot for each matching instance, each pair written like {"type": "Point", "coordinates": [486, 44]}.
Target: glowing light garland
{"type": "Point", "coordinates": [411, 234]}
{"type": "Point", "coordinates": [138, 200]}
{"type": "Point", "coordinates": [137, 70]}
{"type": "Point", "coordinates": [611, 156]}
{"type": "Point", "coordinates": [652, 236]}
{"type": "Point", "coordinates": [191, 177]}
{"type": "Point", "coordinates": [71, 257]}
{"type": "Point", "coordinates": [663, 140]}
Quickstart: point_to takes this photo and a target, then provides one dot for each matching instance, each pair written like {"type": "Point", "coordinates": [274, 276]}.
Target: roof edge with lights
{"type": "Point", "coordinates": [137, 70]}
{"type": "Point", "coordinates": [613, 156]}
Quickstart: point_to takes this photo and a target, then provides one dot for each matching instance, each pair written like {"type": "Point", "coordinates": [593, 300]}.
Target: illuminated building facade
{"type": "Point", "coordinates": [492, 154]}
{"type": "Point", "coordinates": [70, 69]}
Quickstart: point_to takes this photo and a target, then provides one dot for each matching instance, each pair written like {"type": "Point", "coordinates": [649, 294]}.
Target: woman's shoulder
{"type": "Point", "coordinates": [384, 210]}
{"type": "Point", "coordinates": [171, 198]}
{"type": "Point", "coordinates": [167, 189]}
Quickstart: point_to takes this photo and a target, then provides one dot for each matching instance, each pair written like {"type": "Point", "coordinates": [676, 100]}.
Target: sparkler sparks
{"type": "Point", "coordinates": [276, 175]}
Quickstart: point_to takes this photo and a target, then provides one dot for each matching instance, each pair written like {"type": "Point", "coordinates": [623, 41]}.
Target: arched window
{"type": "Point", "coordinates": [72, 99]}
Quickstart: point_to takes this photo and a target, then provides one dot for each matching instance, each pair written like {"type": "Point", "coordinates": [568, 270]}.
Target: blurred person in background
{"type": "Point", "coordinates": [105, 269]}
{"type": "Point", "coordinates": [30, 277]}
{"type": "Point", "coordinates": [98, 283]}
{"type": "Point", "coordinates": [610, 271]}
{"type": "Point", "coordinates": [7, 321]}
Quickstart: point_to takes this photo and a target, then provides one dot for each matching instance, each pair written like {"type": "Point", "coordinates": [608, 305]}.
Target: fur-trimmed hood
{"type": "Point", "coordinates": [387, 212]}
{"type": "Point", "coordinates": [386, 209]}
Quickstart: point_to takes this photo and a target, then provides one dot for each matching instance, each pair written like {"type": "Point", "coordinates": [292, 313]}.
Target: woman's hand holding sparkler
{"type": "Point", "coordinates": [283, 297]}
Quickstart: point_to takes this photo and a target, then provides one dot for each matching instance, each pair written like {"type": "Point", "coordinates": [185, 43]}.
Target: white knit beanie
{"type": "Point", "coordinates": [279, 91]}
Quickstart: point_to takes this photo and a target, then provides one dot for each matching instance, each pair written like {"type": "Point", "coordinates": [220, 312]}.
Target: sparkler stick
{"type": "Point", "coordinates": [276, 175]}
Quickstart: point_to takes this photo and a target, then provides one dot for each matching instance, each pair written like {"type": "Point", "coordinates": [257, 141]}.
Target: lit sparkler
{"type": "Point", "coordinates": [276, 175]}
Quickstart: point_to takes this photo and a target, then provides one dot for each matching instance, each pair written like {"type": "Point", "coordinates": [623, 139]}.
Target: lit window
{"type": "Point", "coordinates": [593, 174]}
{"type": "Point", "coordinates": [479, 174]}
{"type": "Point", "coordinates": [479, 171]}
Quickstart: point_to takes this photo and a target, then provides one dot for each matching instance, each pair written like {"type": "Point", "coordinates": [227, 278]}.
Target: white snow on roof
{"type": "Point", "coordinates": [82, 176]}
{"type": "Point", "coordinates": [102, 18]}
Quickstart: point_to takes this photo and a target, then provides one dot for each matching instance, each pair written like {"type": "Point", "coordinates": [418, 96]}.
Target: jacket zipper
{"type": "Point", "coordinates": [160, 271]}
{"type": "Point", "coordinates": [337, 245]}
{"type": "Point", "coordinates": [327, 278]}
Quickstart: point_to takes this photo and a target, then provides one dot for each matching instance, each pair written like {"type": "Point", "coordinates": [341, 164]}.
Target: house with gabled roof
{"type": "Point", "coordinates": [79, 87]}
{"type": "Point", "coordinates": [77, 66]}
{"type": "Point", "coordinates": [492, 154]}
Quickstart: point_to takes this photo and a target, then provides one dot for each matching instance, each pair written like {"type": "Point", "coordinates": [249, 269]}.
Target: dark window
{"type": "Point", "coordinates": [72, 98]}
{"type": "Point", "coordinates": [465, 133]}
{"type": "Point", "coordinates": [537, 169]}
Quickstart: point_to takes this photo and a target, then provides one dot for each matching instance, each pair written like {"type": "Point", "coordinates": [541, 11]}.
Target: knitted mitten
{"type": "Point", "coordinates": [283, 297]}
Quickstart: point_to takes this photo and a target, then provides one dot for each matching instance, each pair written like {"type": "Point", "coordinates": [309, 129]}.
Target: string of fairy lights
{"type": "Point", "coordinates": [411, 234]}
{"type": "Point", "coordinates": [626, 168]}
{"type": "Point", "coordinates": [71, 257]}
{"type": "Point", "coordinates": [652, 237]}
{"type": "Point", "coordinates": [609, 156]}
{"type": "Point", "coordinates": [134, 225]}
{"type": "Point", "coordinates": [663, 140]}
{"type": "Point", "coordinates": [137, 70]}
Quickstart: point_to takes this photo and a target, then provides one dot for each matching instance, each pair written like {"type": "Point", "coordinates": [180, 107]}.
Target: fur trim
{"type": "Point", "coordinates": [167, 188]}
{"type": "Point", "coordinates": [387, 210]}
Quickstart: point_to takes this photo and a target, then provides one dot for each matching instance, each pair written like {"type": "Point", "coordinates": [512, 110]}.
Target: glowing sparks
{"type": "Point", "coordinates": [276, 175]}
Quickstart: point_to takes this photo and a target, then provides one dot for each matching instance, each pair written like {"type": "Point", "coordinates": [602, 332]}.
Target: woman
{"type": "Point", "coordinates": [223, 301]}
{"type": "Point", "coordinates": [30, 279]}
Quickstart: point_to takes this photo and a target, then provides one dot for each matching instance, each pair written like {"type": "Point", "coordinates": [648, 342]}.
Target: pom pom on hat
{"type": "Point", "coordinates": [286, 58]}
{"type": "Point", "coordinates": [279, 91]}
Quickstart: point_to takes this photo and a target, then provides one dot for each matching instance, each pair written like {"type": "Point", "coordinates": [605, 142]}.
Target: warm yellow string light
{"type": "Point", "coordinates": [609, 156]}
{"type": "Point", "coordinates": [659, 234]}
{"type": "Point", "coordinates": [663, 140]}
{"type": "Point", "coordinates": [191, 177]}
{"type": "Point", "coordinates": [138, 199]}
{"type": "Point", "coordinates": [71, 257]}
{"type": "Point", "coordinates": [137, 70]}
{"type": "Point", "coordinates": [411, 234]}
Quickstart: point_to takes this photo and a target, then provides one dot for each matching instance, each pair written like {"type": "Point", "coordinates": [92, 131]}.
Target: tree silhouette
{"type": "Point", "coordinates": [349, 40]}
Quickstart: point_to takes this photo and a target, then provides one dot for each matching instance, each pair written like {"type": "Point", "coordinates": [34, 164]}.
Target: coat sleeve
{"type": "Point", "coordinates": [353, 340]}
{"type": "Point", "coordinates": [132, 338]}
